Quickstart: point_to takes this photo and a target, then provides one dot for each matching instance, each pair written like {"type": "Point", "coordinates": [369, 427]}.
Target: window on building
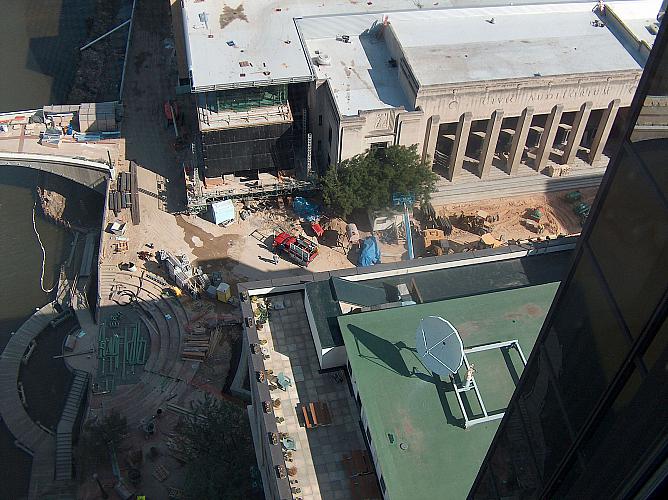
{"type": "Point", "coordinates": [378, 145]}
{"type": "Point", "coordinates": [320, 120]}
{"type": "Point", "coordinates": [246, 98]}
{"type": "Point", "coordinates": [330, 136]}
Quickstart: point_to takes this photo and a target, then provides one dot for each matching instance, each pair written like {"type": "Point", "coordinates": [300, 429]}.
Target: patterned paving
{"type": "Point", "coordinates": [318, 459]}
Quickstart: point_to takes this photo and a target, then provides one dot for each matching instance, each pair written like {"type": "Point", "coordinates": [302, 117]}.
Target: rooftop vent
{"type": "Point", "coordinates": [323, 59]}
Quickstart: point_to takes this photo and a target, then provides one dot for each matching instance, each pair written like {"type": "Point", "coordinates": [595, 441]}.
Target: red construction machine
{"type": "Point", "coordinates": [299, 250]}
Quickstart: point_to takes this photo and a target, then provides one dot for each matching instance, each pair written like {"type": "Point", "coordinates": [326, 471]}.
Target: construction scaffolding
{"type": "Point", "coordinates": [199, 198]}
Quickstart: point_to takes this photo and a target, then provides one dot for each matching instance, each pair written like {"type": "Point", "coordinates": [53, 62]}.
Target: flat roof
{"type": "Point", "coordinates": [261, 32]}
{"type": "Point", "coordinates": [219, 35]}
{"type": "Point", "coordinates": [436, 285]}
{"type": "Point", "coordinates": [635, 20]}
{"type": "Point", "coordinates": [401, 398]}
{"type": "Point", "coordinates": [509, 42]}
{"type": "Point", "coordinates": [359, 75]}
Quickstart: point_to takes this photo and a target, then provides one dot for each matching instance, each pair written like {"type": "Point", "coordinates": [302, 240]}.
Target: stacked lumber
{"type": "Point", "coordinates": [200, 344]}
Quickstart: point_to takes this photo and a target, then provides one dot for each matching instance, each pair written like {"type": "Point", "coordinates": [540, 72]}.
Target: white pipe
{"type": "Point", "coordinates": [41, 278]}
{"type": "Point", "coordinates": [105, 35]}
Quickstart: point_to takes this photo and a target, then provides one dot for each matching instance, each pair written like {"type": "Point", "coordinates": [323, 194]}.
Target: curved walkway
{"type": "Point", "coordinates": [27, 433]}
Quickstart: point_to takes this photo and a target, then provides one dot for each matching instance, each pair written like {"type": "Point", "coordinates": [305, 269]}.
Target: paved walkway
{"type": "Point", "coordinates": [150, 79]}
{"type": "Point", "coordinates": [26, 432]}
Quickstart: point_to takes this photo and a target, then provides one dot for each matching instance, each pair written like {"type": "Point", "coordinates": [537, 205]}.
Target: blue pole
{"type": "Point", "coordinates": [409, 238]}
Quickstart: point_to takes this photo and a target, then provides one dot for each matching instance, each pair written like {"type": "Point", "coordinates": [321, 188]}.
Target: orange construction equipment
{"type": "Point", "coordinates": [317, 229]}
{"type": "Point", "coordinates": [300, 250]}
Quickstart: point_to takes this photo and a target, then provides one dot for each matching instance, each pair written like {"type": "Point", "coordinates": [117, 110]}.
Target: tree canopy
{"type": "Point", "coordinates": [96, 439]}
{"type": "Point", "coordinates": [219, 450]}
{"type": "Point", "coordinates": [368, 180]}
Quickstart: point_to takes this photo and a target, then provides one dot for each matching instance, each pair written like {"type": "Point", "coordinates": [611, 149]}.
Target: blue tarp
{"type": "Point", "coordinates": [222, 211]}
{"type": "Point", "coordinates": [305, 209]}
{"type": "Point", "coordinates": [370, 253]}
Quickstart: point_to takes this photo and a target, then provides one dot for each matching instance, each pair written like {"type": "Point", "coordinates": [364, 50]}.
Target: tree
{"type": "Point", "coordinates": [96, 439]}
{"type": "Point", "coordinates": [368, 180]}
{"type": "Point", "coordinates": [219, 451]}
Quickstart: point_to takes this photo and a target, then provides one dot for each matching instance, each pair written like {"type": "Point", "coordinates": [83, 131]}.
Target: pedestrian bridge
{"type": "Point", "coordinates": [92, 174]}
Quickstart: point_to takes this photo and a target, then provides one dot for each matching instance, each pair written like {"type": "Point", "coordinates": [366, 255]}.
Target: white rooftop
{"type": "Point", "coordinates": [510, 42]}
{"type": "Point", "coordinates": [637, 16]}
{"type": "Point", "coordinates": [220, 34]}
{"type": "Point", "coordinates": [359, 74]}
{"type": "Point", "coordinates": [451, 46]}
{"type": "Point", "coordinates": [263, 32]}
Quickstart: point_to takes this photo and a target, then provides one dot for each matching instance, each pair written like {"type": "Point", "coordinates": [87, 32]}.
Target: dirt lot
{"type": "Point", "coordinates": [558, 217]}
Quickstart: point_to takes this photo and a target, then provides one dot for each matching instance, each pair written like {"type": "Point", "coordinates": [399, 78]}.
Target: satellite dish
{"type": "Point", "coordinates": [439, 345]}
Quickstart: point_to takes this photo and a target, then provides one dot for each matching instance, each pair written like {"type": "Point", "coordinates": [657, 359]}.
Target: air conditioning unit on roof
{"type": "Point", "coordinates": [323, 60]}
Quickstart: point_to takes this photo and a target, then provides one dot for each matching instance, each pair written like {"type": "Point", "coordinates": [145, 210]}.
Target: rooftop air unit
{"type": "Point", "coordinates": [323, 60]}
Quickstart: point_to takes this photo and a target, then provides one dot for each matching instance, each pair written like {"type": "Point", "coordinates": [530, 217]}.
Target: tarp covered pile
{"type": "Point", "coordinates": [370, 252]}
{"type": "Point", "coordinates": [306, 209]}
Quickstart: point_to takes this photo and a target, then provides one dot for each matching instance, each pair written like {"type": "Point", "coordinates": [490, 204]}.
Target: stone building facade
{"type": "Point", "coordinates": [515, 116]}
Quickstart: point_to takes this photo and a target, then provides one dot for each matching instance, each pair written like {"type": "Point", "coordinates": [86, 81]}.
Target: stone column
{"type": "Point", "coordinates": [603, 131]}
{"type": "Point", "coordinates": [489, 143]}
{"type": "Point", "coordinates": [430, 138]}
{"type": "Point", "coordinates": [575, 137]}
{"type": "Point", "coordinates": [459, 147]}
{"type": "Point", "coordinates": [519, 140]}
{"type": "Point", "coordinates": [547, 138]}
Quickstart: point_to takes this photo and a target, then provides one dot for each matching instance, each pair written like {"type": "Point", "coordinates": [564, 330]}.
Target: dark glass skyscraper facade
{"type": "Point", "coordinates": [589, 418]}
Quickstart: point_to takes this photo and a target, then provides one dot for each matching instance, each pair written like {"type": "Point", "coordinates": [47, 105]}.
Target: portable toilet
{"type": "Point", "coordinates": [212, 291]}
{"type": "Point", "coordinates": [224, 292]}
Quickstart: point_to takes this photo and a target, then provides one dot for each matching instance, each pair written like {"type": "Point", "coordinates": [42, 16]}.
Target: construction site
{"type": "Point", "coordinates": [176, 243]}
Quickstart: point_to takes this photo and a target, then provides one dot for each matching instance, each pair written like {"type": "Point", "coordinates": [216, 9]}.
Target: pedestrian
{"type": "Point", "coordinates": [275, 259]}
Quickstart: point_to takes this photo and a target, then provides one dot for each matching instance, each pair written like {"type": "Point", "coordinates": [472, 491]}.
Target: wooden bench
{"type": "Point", "coordinates": [358, 463]}
{"type": "Point", "coordinates": [365, 487]}
{"type": "Point", "coordinates": [307, 420]}
{"type": "Point", "coordinates": [315, 414]}
{"type": "Point", "coordinates": [321, 414]}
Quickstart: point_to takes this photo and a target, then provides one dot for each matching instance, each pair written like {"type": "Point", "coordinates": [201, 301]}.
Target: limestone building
{"type": "Point", "coordinates": [485, 93]}
{"type": "Point", "coordinates": [478, 90]}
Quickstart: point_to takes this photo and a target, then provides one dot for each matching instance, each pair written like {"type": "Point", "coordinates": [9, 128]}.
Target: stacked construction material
{"type": "Point", "coordinates": [200, 343]}
{"type": "Point", "coordinates": [121, 197]}
{"type": "Point", "coordinates": [126, 195]}
{"type": "Point", "coordinates": [117, 363]}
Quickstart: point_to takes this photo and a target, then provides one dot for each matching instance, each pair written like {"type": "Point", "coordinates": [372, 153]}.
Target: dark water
{"type": "Point", "coordinates": [39, 41]}
{"type": "Point", "coordinates": [20, 253]}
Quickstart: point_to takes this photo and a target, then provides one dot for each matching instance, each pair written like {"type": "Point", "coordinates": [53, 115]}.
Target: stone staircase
{"type": "Point", "coordinates": [75, 398]}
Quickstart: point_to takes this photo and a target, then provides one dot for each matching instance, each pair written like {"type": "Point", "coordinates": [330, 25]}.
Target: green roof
{"type": "Point", "coordinates": [355, 292]}
{"type": "Point", "coordinates": [403, 399]}
{"type": "Point", "coordinates": [325, 311]}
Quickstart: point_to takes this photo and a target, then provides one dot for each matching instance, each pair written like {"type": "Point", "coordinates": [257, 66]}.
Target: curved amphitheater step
{"type": "Point", "coordinates": [164, 372]}
{"type": "Point", "coordinates": [151, 301]}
